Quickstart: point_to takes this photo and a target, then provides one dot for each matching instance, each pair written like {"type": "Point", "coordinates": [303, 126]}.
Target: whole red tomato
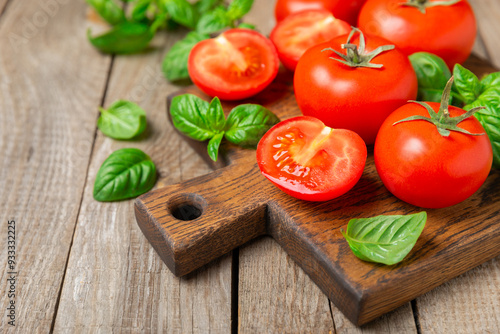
{"type": "Point", "coordinates": [357, 97]}
{"type": "Point", "coordinates": [342, 9]}
{"type": "Point", "coordinates": [447, 30]}
{"type": "Point", "coordinates": [427, 165]}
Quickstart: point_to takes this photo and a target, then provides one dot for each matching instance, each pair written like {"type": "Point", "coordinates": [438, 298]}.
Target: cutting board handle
{"type": "Point", "coordinates": [194, 222]}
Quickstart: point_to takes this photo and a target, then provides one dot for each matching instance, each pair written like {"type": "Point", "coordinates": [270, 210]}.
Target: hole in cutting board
{"type": "Point", "coordinates": [187, 206]}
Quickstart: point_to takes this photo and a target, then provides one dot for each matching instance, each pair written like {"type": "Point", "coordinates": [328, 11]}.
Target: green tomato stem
{"type": "Point", "coordinates": [422, 5]}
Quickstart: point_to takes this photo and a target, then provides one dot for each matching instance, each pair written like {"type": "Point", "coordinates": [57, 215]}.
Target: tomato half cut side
{"type": "Point", "coordinates": [237, 64]}
{"type": "Point", "coordinates": [311, 161]}
{"type": "Point", "coordinates": [300, 31]}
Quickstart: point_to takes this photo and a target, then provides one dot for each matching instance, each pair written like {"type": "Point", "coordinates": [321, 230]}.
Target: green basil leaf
{"type": "Point", "coordinates": [491, 81]}
{"type": "Point", "coordinates": [203, 6]}
{"type": "Point", "coordinates": [247, 123]}
{"type": "Point", "coordinates": [432, 74]}
{"type": "Point", "coordinates": [108, 10]}
{"type": "Point", "coordinates": [466, 84]}
{"type": "Point", "coordinates": [238, 8]}
{"type": "Point", "coordinates": [213, 146]}
{"type": "Point", "coordinates": [213, 21]}
{"type": "Point", "coordinates": [123, 38]}
{"type": "Point", "coordinates": [139, 11]}
{"type": "Point", "coordinates": [126, 173]}
{"type": "Point", "coordinates": [174, 64]}
{"type": "Point", "coordinates": [490, 120]}
{"type": "Point", "coordinates": [384, 239]}
{"type": "Point", "coordinates": [181, 12]}
{"type": "Point", "coordinates": [189, 116]}
{"type": "Point", "coordinates": [122, 120]}
{"type": "Point", "coordinates": [215, 115]}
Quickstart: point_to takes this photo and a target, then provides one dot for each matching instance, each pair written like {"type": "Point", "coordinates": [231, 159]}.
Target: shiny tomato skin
{"type": "Point", "coordinates": [237, 64]}
{"type": "Point", "coordinates": [310, 161]}
{"type": "Point", "coordinates": [300, 31]}
{"type": "Point", "coordinates": [354, 98]}
{"type": "Point", "coordinates": [420, 167]}
{"type": "Point", "coordinates": [346, 10]}
{"type": "Point", "coordinates": [447, 31]}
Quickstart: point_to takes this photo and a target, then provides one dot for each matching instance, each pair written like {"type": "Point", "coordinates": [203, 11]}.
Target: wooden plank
{"type": "Point", "coordinates": [487, 15]}
{"type": "Point", "coordinates": [468, 304]}
{"type": "Point", "coordinates": [275, 295]}
{"type": "Point", "coordinates": [471, 302]}
{"type": "Point", "coordinates": [50, 81]}
{"type": "Point", "coordinates": [115, 281]}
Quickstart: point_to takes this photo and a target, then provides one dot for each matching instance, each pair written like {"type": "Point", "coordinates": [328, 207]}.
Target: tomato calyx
{"type": "Point", "coordinates": [442, 119]}
{"type": "Point", "coordinates": [422, 5]}
{"type": "Point", "coordinates": [356, 56]}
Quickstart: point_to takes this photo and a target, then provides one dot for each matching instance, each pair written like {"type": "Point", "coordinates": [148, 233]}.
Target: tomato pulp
{"type": "Point", "coordinates": [421, 167]}
{"type": "Point", "coordinates": [448, 31]}
{"type": "Point", "coordinates": [300, 31]}
{"type": "Point", "coordinates": [346, 10]}
{"type": "Point", "coordinates": [309, 160]}
{"type": "Point", "coordinates": [237, 64]}
{"type": "Point", "coordinates": [354, 98]}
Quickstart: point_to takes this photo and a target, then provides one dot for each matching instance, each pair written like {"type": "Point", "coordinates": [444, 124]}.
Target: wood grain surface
{"type": "Point", "coordinates": [50, 86]}
{"type": "Point", "coordinates": [47, 126]}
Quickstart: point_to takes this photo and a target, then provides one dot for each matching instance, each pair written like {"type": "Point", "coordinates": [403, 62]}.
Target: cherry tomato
{"type": "Point", "coordinates": [237, 64]}
{"type": "Point", "coordinates": [354, 98]}
{"type": "Point", "coordinates": [299, 31]}
{"type": "Point", "coordinates": [346, 10]}
{"type": "Point", "coordinates": [421, 167]}
{"type": "Point", "coordinates": [309, 160]}
{"type": "Point", "coordinates": [448, 31]}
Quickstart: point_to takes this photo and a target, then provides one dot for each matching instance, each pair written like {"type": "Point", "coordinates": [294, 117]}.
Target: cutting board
{"type": "Point", "coordinates": [192, 223]}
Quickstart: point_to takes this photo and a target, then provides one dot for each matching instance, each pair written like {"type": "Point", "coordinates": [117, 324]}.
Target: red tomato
{"type": "Point", "coordinates": [237, 64]}
{"type": "Point", "coordinates": [310, 161]}
{"type": "Point", "coordinates": [299, 31]}
{"type": "Point", "coordinates": [346, 10]}
{"type": "Point", "coordinates": [354, 98]}
{"type": "Point", "coordinates": [423, 168]}
{"type": "Point", "coordinates": [447, 31]}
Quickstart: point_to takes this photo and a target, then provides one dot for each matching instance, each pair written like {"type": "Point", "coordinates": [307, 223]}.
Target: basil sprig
{"type": "Point", "coordinates": [468, 92]}
{"type": "Point", "coordinates": [126, 173]}
{"type": "Point", "coordinates": [122, 120]}
{"type": "Point", "coordinates": [201, 120]}
{"type": "Point", "coordinates": [384, 239]}
{"type": "Point", "coordinates": [132, 32]}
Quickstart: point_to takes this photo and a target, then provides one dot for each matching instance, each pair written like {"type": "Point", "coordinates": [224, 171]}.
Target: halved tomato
{"type": "Point", "coordinates": [346, 10]}
{"type": "Point", "coordinates": [311, 161]}
{"type": "Point", "coordinates": [235, 65]}
{"type": "Point", "coordinates": [300, 31]}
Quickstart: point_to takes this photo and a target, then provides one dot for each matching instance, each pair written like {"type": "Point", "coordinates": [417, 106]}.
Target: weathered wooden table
{"type": "Point", "coordinates": [84, 266]}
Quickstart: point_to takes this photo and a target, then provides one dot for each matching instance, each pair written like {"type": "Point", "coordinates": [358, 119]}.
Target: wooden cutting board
{"type": "Point", "coordinates": [191, 223]}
